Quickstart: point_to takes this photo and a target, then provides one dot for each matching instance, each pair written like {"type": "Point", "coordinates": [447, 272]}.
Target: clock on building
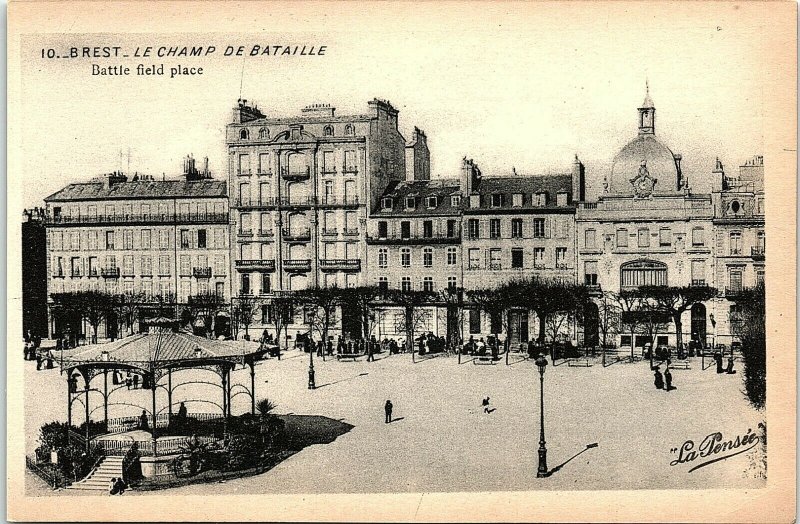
{"type": "Point", "coordinates": [643, 183]}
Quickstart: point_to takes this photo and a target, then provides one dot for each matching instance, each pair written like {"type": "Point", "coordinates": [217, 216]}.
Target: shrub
{"type": "Point", "coordinates": [751, 330]}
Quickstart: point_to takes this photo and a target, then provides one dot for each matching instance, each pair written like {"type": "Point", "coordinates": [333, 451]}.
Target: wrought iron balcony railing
{"type": "Point", "coordinates": [340, 264]}
{"type": "Point", "coordinates": [110, 272]}
{"type": "Point", "coordinates": [297, 264]}
{"type": "Point", "coordinates": [201, 272]}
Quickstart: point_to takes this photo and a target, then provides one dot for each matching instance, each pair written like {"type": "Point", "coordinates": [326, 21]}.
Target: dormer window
{"type": "Point", "coordinates": [541, 199]}
{"type": "Point", "coordinates": [243, 134]}
{"type": "Point", "coordinates": [561, 198]}
{"type": "Point", "coordinates": [263, 133]}
{"type": "Point", "coordinates": [327, 131]}
{"type": "Point", "coordinates": [432, 202]}
{"type": "Point", "coordinates": [455, 200]}
{"type": "Point", "coordinates": [386, 204]}
{"type": "Point", "coordinates": [411, 202]}
{"type": "Point", "coordinates": [497, 200]}
{"type": "Point", "coordinates": [475, 201]}
{"type": "Point", "coordinates": [516, 200]}
{"type": "Point", "coordinates": [349, 130]}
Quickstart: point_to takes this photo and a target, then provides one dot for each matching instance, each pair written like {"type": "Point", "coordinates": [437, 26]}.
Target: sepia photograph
{"type": "Point", "coordinates": [408, 261]}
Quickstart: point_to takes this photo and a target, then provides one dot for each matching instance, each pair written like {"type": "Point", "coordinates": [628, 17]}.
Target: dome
{"type": "Point", "coordinates": [660, 164]}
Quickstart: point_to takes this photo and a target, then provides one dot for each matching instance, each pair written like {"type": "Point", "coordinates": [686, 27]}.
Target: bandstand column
{"type": "Point", "coordinates": [86, 402]}
{"type": "Point", "coordinates": [224, 393]}
{"type": "Point", "coordinates": [153, 429]}
{"type": "Point", "coordinates": [69, 399]}
{"type": "Point", "coordinates": [230, 385]}
{"type": "Point", "coordinates": [105, 397]}
{"type": "Point", "coordinates": [169, 394]}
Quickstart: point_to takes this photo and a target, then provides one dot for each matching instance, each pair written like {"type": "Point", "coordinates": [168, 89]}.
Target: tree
{"type": "Point", "coordinates": [321, 303]}
{"type": "Point", "coordinates": [453, 299]}
{"type": "Point", "coordinates": [652, 320]}
{"type": "Point", "coordinates": [361, 301]}
{"type": "Point", "coordinates": [554, 301]}
{"type": "Point", "coordinates": [676, 300]}
{"type": "Point", "coordinates": [494, 302]}
{"type": "Point", "coordinates": [414, 316]}
{"type": "Point", "coordinates": [246, 308]}
{"type": "Point", "coordinates": [608, 311]}
{"type": "Point", "coordinates": [127, 308]}
{"type": "Point", "coordinates": [750, 326]}
{"type": "Point", "coordinates": [628, 301]}
{"type": "Point", "coordinates": [280, 314]}
{"type": "Point", "coordinates": [91, 306]}
{"type": "Point", "coordinates": [204, 306]}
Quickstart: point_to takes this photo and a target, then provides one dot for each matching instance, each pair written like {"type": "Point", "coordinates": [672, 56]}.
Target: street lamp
{"type": "Point", "coordinates": [311, 383]}
{"type": "Point", "coordinates": [541, 363]}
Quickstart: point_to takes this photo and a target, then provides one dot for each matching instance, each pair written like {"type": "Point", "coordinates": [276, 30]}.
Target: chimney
{"type": "Point", "coordinates": [206, 172]}
{"type": "Point", "coordinates": [578, 180]}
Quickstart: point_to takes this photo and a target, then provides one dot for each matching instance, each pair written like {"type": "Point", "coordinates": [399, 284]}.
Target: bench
{"type": "Point", "coordinates": [680, 364]}
{"type": "Point", "coordinates": [580, 362]}
{"type": "Point", "coordinates": [485, 361]}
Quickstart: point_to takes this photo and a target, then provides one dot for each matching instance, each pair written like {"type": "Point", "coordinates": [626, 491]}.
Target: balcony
{"type": "Point", "coordinates": [328, 170]}
{"type": "Point", "coordinates": [266, 233]}
{"type": "Point", "coordinates": [439, 238]}
{"type": "Point", "coordinates": [297, 202]}
{"type": "Point", "coordinates": [264, 172]}
{"type": "Point", "coordinates": [243, 172]}
{"type": "Point", "coordinates": [757, 252]}
{"type": "Point", "coordinates": [110, 272]}
{"type": "Point", "coordinates": [350, 170]}
{"type": "Point", "coordinates": [350, 232]}
{"type": "Point", "coordinates": [296, 174]}
{"type": "Point", "coordinates": [340, 264]}
{"type": "Point", "coordinates": [297, 264]}
{"type": "Point", "coordinates": [733, 291]}
{"type": "Point", "coordinates": [75, 273]}
{"type": "Point", "coordinates": [93, 273]}
{"type": "Point", "coordinates": [245, 232]}
{"type": "Point", "coordinates": [330, 232]}
{"type": "Point", "coordinates": [698, 282]}
{"type": "Point", "coordinates": [201, 272]}
{"type": "Point", "coordinates": [297, 235]}
{"type": "Point", "coordinates": [131, 219]}
{"type": "Point", "coordinates": [261, 265]}
{"type": "Point", "coordinates": [339, 201]}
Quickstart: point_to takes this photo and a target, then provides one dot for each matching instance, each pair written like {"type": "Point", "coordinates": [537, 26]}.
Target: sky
{"type": "Point", "coordinates": [517, 88]}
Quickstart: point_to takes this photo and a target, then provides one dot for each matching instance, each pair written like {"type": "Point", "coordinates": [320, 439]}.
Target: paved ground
{"type": "Point", "coordinates": [442, 440]}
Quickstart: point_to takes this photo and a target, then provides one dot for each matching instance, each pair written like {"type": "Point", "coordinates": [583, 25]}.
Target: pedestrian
{"type": "Point", "coordinates": [370, 355]}
{"type": "Point", "coordinates": [143, 424]}
{"type": "Point", "coordinates": [320, 347]}
{"type": "Point", "coordinates": [668, 379]}
{"type": "Point", "coordinates": [119, 486]}
{"type": "Point", "coordinates": [128, 380]}
{"type": "Point", "coordinates": [182, 413]}
{"type": "Point", "coordinates": [730, 370]}
{"type": "Point", "coordinates": [388, 409]}
{"type": "Point", "coordinates": [349, 349]}
{"type": "Point", "coordinates": [50, 359]}
{"type": "Point", "coordinates": [718, 360]}
{"type": "Point", "coordinates": [112, 490]}
{"type": "Point", "coordinates": [659, 379]}
{"type": "Point", "coordinates": [485, 404]}
{"type": "Point", "coordinates": [38, 362]}
{"type": "Point", "coordinates": [330, 347]}
{"type": "Point", "coordinates": [135, 381]}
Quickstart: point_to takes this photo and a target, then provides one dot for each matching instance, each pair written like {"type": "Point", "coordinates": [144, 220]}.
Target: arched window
{"type": "Point", "coordinates": [243, 134]}
{"type": "Point", "coordinates": [643, 273]}
{"type": "Point", "coordinates": [263, 133]}
{"type": "Point", "coordinates": [327, 131]}
{"type": "Point", "coordinates": [349, 130]}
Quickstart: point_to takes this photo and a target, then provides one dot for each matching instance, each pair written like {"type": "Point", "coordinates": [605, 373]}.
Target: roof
{"type": "Point", "coordinates": [660, 163]}
{"type": "Point", "coordinates": [169, 349]}
{"type": "Point", "coordinates": [525, 185]}
{"type": "Point", "coordinates": [99, 190]}
{"type": "Point", "coordinates": [443, 189]}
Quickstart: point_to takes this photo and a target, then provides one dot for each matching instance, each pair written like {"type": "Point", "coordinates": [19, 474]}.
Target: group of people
{"type": "Point", "coordinates": [481, 349]}
{"type": "Point", "coordinates": [663, 381]}
{"type": "Point", "coordinates": [32, 350]}
{"type": "Point", "coordinates": [718, 361]}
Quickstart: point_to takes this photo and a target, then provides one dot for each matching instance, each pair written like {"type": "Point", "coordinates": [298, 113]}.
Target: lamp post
{"type": "Point", "coordinates": [311, 383]}
{"type": "Point", "coordinates": [541, 363]}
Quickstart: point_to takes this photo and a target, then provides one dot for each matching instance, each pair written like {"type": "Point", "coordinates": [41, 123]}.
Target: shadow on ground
{"type": "Point", "coordinates": [302, 431]}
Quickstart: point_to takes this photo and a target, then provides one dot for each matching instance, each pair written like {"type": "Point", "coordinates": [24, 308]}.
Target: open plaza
{"type": "Point", "coordinates": [441, 440]}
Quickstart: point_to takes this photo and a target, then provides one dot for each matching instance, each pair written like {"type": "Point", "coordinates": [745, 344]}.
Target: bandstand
{"type": "Point", "coordinates": [160, 358]}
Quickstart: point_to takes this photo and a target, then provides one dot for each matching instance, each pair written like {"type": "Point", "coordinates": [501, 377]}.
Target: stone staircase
{"type": "Point", "coordinates": [99, 479]}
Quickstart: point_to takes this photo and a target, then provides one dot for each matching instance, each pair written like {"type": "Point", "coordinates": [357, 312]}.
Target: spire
{"type": "Point", "coordinates": [647, 113]}
{"type": "Point", "coordinates": [648, 102]}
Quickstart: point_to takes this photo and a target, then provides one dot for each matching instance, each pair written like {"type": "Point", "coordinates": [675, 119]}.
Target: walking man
{"type": "Point", "coordinates": [485, 404]}
{"type": "Point", "coordinates": [388, 409]}
{"type": "Point", "coordinates": [668, 378]}
{"type": "Point", "coordinates": [659, 379]}
{"type": "Point", "coordinates": [370, 356]}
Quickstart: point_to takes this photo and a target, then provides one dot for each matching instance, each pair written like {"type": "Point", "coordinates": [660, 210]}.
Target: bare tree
{"type": "Point", "coordinates": [608, 312]}
{"type": "Point", "coordinates": [676, 300]}
{"type": "Point", "coordinates": [628, 301]}
{"type": "Point", "coordinates": [361, 300]}
{"type": "Point", "coordinates": [322, 303]}
{"type": "Point", "coordinates": [453, 299]}
{"type": "Point", "coordinates": [246, 308]}
{"type": "Point", "coordinates": [203, 307]}
{"type": "Point", "coordinates": [127, 308]}
{"type": "Point", "coordinates": [281, 313]}
{"type": "Point", "coordinates": [414, 316]}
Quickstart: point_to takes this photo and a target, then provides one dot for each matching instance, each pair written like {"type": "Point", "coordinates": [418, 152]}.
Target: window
{"type": "Point", "coordinates": [427, 257]}
{"type": "Point", "coordinates": [474, 258]}
{"type": "Point", "coordinates": [405, 284]}
{"type": "Point", "coordinates": [455, 200]}
{"type": "Point", "coordinates": [538, 228]}
{"type": "Point", "coordinates": [473, 228]}
{"type": "Point", "coordinates": [245, 287]}
{"type": "Point", "coordinates": [452, 283]}
{"type": "Point", "coordinates": [219, 265]}
{"type": "Point", "coordinates": [59, 267]}
{"type": "Point", "coordinates": [266, 283]}
{"type": "Point", "coordinates": [494, 259]}
{"type": "Point", "coordinates": [698, 273]}
{"type": "Point", "coordinates": [644, 237]}
{"type": "Point", "coordinates": [127, 287]}
{"type": "Point", "coordinates": [243, 134]}
{"type": "Point", "coordinates": [516, 228]}
{"type": "Point", "coordinates": [92, 266]}
{"type": "Point", "coordinates": [93, 240]}
{"type": "Point", "coordinates": [760, 277]}
{"type": "Point", "coordinates": [427, 229]}
{"type": "Point", "coordinates": [451, 228]}
{"type": "Point", "coordinates": [561, 199]}
{"type": "Point", "coordinates": [184, 239]}
{"type": "Point", "coordinates": [563, 227]}
{"type": "Point", "coordinates": [643, 273]}
{"type": "Point", "coordinates": [349, 130]}
{"type": "Point", "coordinates": [111, 262]}
{"type": "Point", "coordinates": [664, 237]}
{"type": "Point", "coordinates": [735, 317]}
{"type": "Point", "coordinates": [201, 238]}
{"type": "Point", "coordinates": [761, 243]}
{"type": "Point", "coordinates": [163, 239]}
{"type": "Point", "coordinates": [383, 258]}
{"type": "Point", "coordinates": [405, 257]}
{"type": "Point", "coordinates": [145, 239]}
{"type": "Point", "coordinates": [386, 203]}
{"type": "Point", "coordinates": [328, 162]}
{"type": "Point", "coordinates": [127, 239]}
{"type": "Point", "coordinates": [452, 256]}
{"type": "Point", "coordinates": [127, 265]}
{"type": "Point", "coordinates": [75, 266]}
{"type": "Point", "coordinates": [383, 229]}
{"type": "Point", "coordinates": [184, 263]}
{"type": "Point", "coordinates": [147, 265]}
{"type": "Point", "coordinates": [561, 258]}
{"type": "Point", "coordinates": [75, 240]}
{"type": "Point", "coordinates": [219, 238]}
{"type": "Point", "coordinates": [109, 240]}
{"type": "Point", "coordinates": [327, 131]}
{"type": "Point", "coordinates": [760, 206]}
{"type": "Point", "coordinates": [411, 203]}
{"type": "Point", "coordinates": [516, 258]}
{"type": "Point", "coordinates": [244, 227]}
{"type": "Point", "coordinates": [163, 265]}
{"type": "Point", "coordinates": [383, 284]}
{"type": "Point", "coordinates": [697, 236]}
{"type": "Point", "coordinates": [58, 240]}
{"type": "Point", "coordinates": [538, 257]}
{"type": "Point", "coordinates": [432, 202]}
{"type": "Point", "coordinates": [494, 228]}
{"type": "Point", "coordinates": [589, 239]}
{"type": "Point", "coordinates": [516, 200]}
{"type": "Point", "coordinates": [590, 273]}
{"type": "Point", "coordinates": [735, 280]}
{"type": "Point", "coordinates": [405, 229]}
{"type": "Point", "coordinates": [497, 200]}
{"type": "Point", "coordinates": [622, 237]}
{"type": "Point", "coordinates": [263, 133]}
{"type": "Point", "coordinates": [328, 193]}
{"type": "Point", "coordinates": [474, 321]}
{"type": "Point", "coordinates": [541, 199]}
{"type": "Point", "coordinates": [736, 242]}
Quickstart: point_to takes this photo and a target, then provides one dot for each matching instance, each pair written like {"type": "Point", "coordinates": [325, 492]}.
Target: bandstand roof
{"type": "Point", "coordinates": [161, 350]}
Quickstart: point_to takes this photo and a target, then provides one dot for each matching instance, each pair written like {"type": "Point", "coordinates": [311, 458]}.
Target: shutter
{"type": "Point", "coordinates": [547, 221]}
